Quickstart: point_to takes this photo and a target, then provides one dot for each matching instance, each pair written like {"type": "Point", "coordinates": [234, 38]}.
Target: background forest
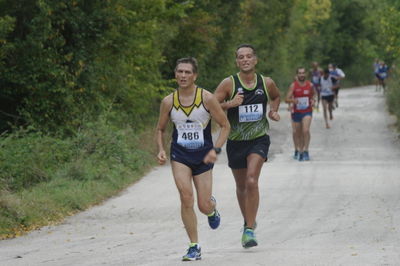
{"type": "Point", "coordinates": [81, 81]}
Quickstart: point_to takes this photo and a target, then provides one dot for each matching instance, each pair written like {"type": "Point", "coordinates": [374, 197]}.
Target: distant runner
{"type": "Point", "coordinates": [376, 74]}
{"type": "Point", "coordinates": [337, 75]}
{"type": "Point", "coordinates": [193, 154]}
{"type": "Point", "coordinates": [382, 74]}
{"type": "Point", "coordinates": [316, 74]}
{"type": "Point", "coordinates": [301, 95]}
{"type": "Point", "coordinates": [327, 95]}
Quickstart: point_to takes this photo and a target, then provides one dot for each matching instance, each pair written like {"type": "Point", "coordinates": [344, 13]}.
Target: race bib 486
{"type": "Point", "coordinates": [190, 135]}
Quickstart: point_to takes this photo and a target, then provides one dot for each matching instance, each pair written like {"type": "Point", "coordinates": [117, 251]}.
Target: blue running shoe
{"type": "Point", "coordinates": [193, 253]}
{"type": "Point", "coordinates": [301, 156]}
{"type": "Point", "coordinates": [215, 219]}
{"type": "Point", "coordinates": [249, 238]}
{"type": "Point", "coordinates": [296, 155]}
{"type": "Point", "coordinates": [306, 156]}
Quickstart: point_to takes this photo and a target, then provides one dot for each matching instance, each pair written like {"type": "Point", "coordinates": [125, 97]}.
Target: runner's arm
{"type": "Point", "coordinates": [341, 74]}
{"type": "Point", "coordinates": [289, 96]}
{"type": "Point", "coordinates": [275, 98]}
{"type": "Point", "coordinates": [163, 119]}
{"type": "Point", "coordinates": [223, 92]}
{"type": "Point", "coordinates": [219, 116]}
{"type": "Point", "coordinates": [313, 93]}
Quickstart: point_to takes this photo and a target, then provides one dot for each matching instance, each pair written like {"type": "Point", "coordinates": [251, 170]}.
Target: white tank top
{"type": "Point", "coordinates": [326, 86]}
{"type": "Point", "coordinates": [191, 122]}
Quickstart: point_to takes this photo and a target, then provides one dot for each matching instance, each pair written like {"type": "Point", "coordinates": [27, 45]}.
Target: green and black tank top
{"type": "Point", "coordinates": [248, 120]}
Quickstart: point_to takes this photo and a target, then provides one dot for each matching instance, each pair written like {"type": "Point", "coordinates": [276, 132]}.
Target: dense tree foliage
{"type": "Point", "coordinates": [81, 81]}
{"type": "Point", "coordinates": [64, 63]}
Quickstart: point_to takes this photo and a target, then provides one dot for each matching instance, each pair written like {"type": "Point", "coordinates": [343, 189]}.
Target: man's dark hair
{"type": "Point", "coordinates": [326, 71]}
{"type": "Point", "coordinates": [246, 45]}
{"type": "Point", "coordinates": [188, 60]}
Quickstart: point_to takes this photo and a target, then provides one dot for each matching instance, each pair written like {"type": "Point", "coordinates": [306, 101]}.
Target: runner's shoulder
{"type": "Point", "coordinates": [225, 84]}
{"type": "Point", "coordinates": [269, 81]}
{"type": "Point", "coordinates": [207, 95]}
{"type": "Point", "coordinates": [168, 100]}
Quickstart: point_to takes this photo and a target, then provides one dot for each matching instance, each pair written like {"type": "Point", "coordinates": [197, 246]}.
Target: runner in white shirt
{"type": "Point", "coordinates": [327, 95]}
{"type": "Point", "coordinates": [337, 75]}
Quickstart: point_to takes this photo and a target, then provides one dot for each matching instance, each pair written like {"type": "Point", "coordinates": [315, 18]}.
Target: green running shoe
{"type": "Point", "coordinates": [248, 238]}
{"type": "Point", "coordinates": [245, 226]}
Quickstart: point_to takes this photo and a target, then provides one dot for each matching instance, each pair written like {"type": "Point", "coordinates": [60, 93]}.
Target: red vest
{"type": "Point", "coordinates": [303, 94]}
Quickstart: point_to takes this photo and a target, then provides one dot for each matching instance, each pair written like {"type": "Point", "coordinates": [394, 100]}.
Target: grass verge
{"type": "Point", "coordinates": [44, 179]}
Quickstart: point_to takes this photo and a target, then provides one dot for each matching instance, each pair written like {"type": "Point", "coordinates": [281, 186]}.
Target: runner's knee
{"type": "Point", "coordinates": [306, 131]}
{"type": "Point", "coordinates": [205, 206]}
{"type": "Point", "coordinates": [251, 183]}
{"type": "Point", "coordinates": [187, 199]}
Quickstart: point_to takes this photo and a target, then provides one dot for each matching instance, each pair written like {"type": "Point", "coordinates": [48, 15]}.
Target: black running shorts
{"type": "Point", "coordinates": [328, 98]}
{"type": "Point", "coordinates": [238, 150]}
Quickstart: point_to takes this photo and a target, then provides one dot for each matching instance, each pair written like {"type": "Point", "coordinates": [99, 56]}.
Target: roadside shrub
{"type": "Point", "coordinates": [28, 158]}
{"type": "Point", "coordinates": [393, 93]}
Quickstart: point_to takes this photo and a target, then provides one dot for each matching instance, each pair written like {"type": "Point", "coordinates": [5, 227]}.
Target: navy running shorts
{"type": "Point", "coordinates": [238, 150]}
{"type": "Point", "coordinates": [192, 159]}
{"type": "Point", "coordinates": [297, 116]}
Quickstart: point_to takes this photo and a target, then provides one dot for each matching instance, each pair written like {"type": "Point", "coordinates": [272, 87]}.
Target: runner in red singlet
{"type": "Point", "coordinates": [301, 96]}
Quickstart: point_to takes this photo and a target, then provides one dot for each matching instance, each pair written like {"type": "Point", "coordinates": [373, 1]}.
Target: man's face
{"type": "Point", "coordinates": [301, 74]}
{"type": "Point", "coordinates": [185, 77]}
{"type": "Point", "coordinates": [314, 65]}
{"type": "Point", "coordinates": [246, 60]}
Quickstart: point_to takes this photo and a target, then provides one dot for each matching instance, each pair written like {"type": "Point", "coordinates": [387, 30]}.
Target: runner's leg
{"type": "Point", "coordinates": [297, 137]}
{"type": "Point", "coordinates": [254, 164]}
{"type": "Point", "coordinates": [306, 123]}
{"type": "Point", "coordinates": [318, 97]}
{"type": "Point", "coordinates": [337, 97]}
{"type": "Point", "coordinates": [325, 109]}
{"type": "Point", "coordinates": [203, 184]}
{"type": "Point", "coordinates": [240, 179]}
{"type": "Point", "coordinates": [296, 127]}
{"type": "Point", "coordinates": [183, 180]}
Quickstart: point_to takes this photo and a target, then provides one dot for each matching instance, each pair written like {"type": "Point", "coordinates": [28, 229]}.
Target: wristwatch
{"type": "Point", "coordinates": [217, 150]}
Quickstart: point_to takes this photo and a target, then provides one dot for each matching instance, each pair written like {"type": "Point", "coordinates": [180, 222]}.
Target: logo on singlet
{"type": "Point", "coordinates": [259, 92]}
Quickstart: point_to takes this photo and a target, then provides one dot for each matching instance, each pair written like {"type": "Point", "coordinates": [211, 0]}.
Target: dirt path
{"type": "Point", "coordinates": [341, 208]}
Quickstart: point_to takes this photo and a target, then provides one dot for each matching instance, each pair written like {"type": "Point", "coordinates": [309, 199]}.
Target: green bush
{"type": "Point", "coordinates": [43, 178]}
{"type": "Point", "coordinates": [393, 93]}
{"type": "Point", "coordinates": [30, 158]}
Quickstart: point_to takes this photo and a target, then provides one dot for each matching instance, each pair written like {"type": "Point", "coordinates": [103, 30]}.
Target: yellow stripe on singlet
{"type": "Point", "coordinates": [198, 100]}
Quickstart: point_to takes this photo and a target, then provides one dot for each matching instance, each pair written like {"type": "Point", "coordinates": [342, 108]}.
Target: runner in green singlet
{"type": "Point", "coordinates": [245, 96]}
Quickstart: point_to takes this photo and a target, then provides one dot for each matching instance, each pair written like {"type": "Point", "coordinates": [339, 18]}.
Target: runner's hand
{"type": "Point", "coordinates": [211, 157]}
{"type": "Point", "coordinates": [237, 100]}
{"type": "Point", "coordinates": [274, 115]}
{"type": "Point", "coordinates": [161, 157]}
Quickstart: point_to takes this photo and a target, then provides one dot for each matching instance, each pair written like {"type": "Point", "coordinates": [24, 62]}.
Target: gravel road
{"type": "Point", "coordinates": [341, 208]}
